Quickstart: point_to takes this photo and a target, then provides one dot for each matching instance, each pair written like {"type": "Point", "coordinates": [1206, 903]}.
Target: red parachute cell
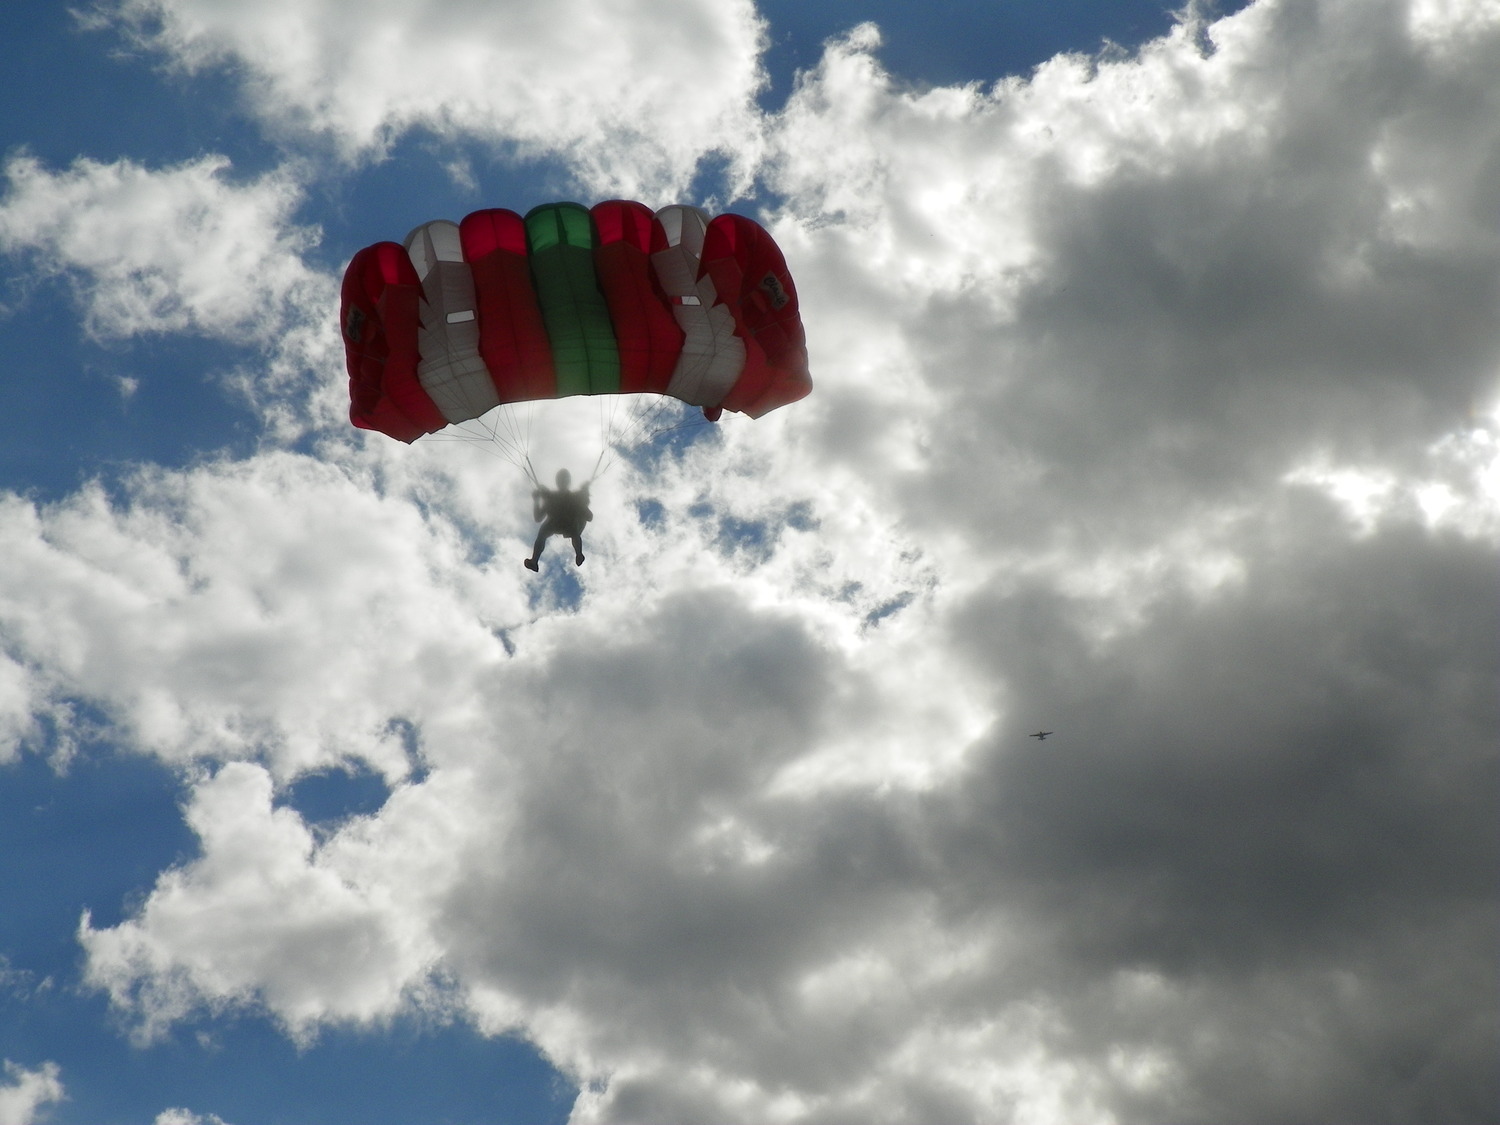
{"type": "Point", "coordinates": [512, 337]}
{"type": "Point", "coordinates": [379, 317]}
{"type": "Point", "coordinates": [646, 333]}
{"type": "Point", "coordinates": [751, 277]}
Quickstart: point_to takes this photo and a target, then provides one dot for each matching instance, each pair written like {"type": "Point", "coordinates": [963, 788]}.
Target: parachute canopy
{"type": "Point", "coordinates": [570, 301]}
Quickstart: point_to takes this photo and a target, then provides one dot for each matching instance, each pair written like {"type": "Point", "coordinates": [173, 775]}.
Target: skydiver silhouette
{"type": "Point", "coordinates": [563, 511]}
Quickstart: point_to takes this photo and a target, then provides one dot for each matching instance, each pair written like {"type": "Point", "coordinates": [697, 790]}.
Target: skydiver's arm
{"type": "Point", "coordinates": [539, 503]}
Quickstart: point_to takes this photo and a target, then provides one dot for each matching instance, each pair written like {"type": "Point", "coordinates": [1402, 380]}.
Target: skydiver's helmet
{"type": "Point", "coordinates": [564, 478]}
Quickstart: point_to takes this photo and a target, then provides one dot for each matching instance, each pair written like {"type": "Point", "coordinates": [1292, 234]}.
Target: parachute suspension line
{"type": "Point", "coordinates": [625, 422]}
{"type": "Point", "coordinates": [623, 434]}
{"type": "Point", "coordinates": [520, 428]}
{"type": "Point", "coordinates": [514, 419]}
{"type": "Point", "coordinates": [610, 436]}
{"type": "Point", "coordinates": [688, 423]}
{"type": "Point", "coordinates": [606, 422]}
{"type": "Point", "coordinates": [514, 450]}
{"type": "Point", "coordinates": [595, 473]}
{"type": "Point", "coordinates": [645, 423]}
{"type": "Point", "coordinates": [487, 438]}
{"type": "Point", "coordinates": [492, 449]}
{"type": "Point", "coordinates": [506, 433]}
{"type": "Point", "coordinates": [642, 423]}
{"type": "Point", "coordinates": [512, 453]}
{"type": "Point", "coordinates": [507, 418]}
{"type": "Point", "coordinates": [612, 408]}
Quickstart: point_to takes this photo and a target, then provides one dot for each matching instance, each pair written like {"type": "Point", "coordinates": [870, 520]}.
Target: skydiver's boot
{"type": "Point", "coordinates": [578, 559]}
{"type": "Point", "coordinates": [529, 564]}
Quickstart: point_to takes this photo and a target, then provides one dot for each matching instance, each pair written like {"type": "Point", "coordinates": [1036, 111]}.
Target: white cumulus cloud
{"type": "Point", "coordinates": [27, 1092]}
{"type": "Point", "coordinates": [179, 1116]}
{"type": "Point", "coordinates": [632, 92]}
{"type": "Point", "coordinates": [181, 249]}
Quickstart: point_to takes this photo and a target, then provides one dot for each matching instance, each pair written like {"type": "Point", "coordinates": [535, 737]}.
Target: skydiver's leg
{"type": "Point", "coordinates": [537, 548]}
{"type": "Point", "coordinates": [577, 541]}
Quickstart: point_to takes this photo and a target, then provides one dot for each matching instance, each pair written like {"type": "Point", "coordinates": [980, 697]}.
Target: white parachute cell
{"type": "Point", "coordinates": [712, 355]}
{"type": "Point", "coordinates": [451, 370]}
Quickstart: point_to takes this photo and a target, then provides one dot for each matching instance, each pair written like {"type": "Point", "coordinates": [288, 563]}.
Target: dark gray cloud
{"type": "Point", "coordinates": [1281, 805]}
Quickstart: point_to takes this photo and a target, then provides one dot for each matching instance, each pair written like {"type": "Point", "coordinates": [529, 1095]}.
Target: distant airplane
{"type": "Point", "coordinates": [1042, 734]}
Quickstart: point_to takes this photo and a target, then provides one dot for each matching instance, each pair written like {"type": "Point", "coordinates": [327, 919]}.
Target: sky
{"type": "Point", "coordinates": [1156, 361]}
